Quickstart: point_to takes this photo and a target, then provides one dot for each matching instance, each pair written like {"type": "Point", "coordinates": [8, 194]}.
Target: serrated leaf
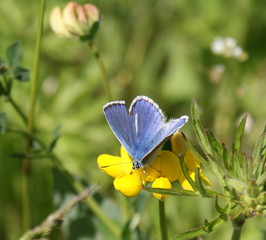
{"type": "Point", "coordinates": [3, 121]}
{"type": "Point", "coordinates": [21, 74]}
{"type": "Point", "coordinates": [14, 54]}
{"type": "Point", "coordinates": [201, 135]}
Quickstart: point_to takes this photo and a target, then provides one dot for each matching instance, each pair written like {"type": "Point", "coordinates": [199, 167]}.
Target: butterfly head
{"type": "Point", "coordinates": [137, 165]}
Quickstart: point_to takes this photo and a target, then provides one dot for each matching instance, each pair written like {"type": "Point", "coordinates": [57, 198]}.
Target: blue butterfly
{"type": "Point", "coordinates": [143, 129]}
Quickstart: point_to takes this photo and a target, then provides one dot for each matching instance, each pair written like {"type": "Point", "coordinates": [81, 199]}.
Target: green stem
{"type": "Point", "coordinates": [238, 224]}
{"type": "Point", "coordinates": [18, 110]}
{"type": "Point", "coordinates": [103, 70]}
{"type": "Point", "coordinates": [163, 225]}
{"type": "Point", "coordinates": [91, 203]}
{"type": "Point", "coordinates": [10, 99]}
{"type": "Point", "coordinates": [34, 86]}
{"type": "Point", "coordinates": [33, 96]}
{"type": "Point", "coordinates": [236, 234]}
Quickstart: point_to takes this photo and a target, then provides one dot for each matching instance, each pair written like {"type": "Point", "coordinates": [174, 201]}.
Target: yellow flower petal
{"type": "Point", "coordinates": [178, 144]}
{"type": "Point", "coordinates": [205, 180]}
{"type": "Point", "coordinates": [161, 183]}
{"type": "Point", "coordinates": [113, 166]}
{"type": "Point", "coordinates": [186, 185]}
{"type": "Point", "coordinates": [128, 184]}
{"type": "Point", "coordinates": [126, 157]}
{"type": "Point", "coordinates": [148, 174]}
{"type": "Point", "coordinates": [184, 182]}
{"type": "Point", "coordinates": [191, 161]}
{"type": "Point", "coordinates": [167, 164]}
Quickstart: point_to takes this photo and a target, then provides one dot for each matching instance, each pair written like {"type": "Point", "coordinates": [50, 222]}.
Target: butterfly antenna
{"type": "Point", "coordinates": [115, 164]}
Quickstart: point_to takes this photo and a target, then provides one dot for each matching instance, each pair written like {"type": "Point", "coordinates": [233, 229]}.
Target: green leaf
{"type": "Point", "coordinates": [3, 67]}
{"type": "Point", "coordinates": [226, 157]}
{"type": "Point", "coordinates": [214, 143]}
{"type": "Point", "coordinates": [2, 90]}
{"type": "Point", "coordinates": [196, 153]}
{"type": "Point", "coordinates": [220, 209]}
{"type": "Point", "coordinates": [259, 155]}
{"type": "Point", "coordinates": [239, 135]}
{"type": "Point", "coordinates": [92, 33]}
{"type": "Point", "coordinates": [56, 136]}
{"type": "Point", "coordinates": [21, 74]}
{"type": "Point", "coordinates": [199, 184]}
{"type": "Point", "coordinates": [173, 191]}
{"type": "Point", "coordinates": [186, 174]}
{"type": "Point", "coordinates": [14, 54]}
{"type": "Point", "coordinates": [207, 228]}
{"type": "Point", "coordinates": [3, 122]}
{"type": "Point", "coordinates": [201, 135]}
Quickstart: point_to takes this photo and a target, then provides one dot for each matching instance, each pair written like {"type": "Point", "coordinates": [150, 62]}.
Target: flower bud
{"type": "Point", "coordinates": [75, 21]}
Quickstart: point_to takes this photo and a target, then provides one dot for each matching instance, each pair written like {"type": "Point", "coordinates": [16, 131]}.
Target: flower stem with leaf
{"type": "Point", "coordinates": [30, 123]}
{"type": "Point", "coordinates": [103, 70]}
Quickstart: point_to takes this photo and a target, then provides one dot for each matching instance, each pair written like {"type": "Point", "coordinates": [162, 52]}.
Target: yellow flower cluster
{"type": "Point", "coordinates": [164, 169]}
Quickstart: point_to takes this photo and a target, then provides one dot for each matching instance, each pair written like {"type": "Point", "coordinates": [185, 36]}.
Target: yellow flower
{"type": "Point", "coordinates": [179, 147]}
{"type": "Point", "coordinates": [75, 21]}
{"type": "Point", "coordinates": [130, 182]}
{"type": "Point", "coordinates": [186, 185]}
{"type": "Point", "coordinates": [161, 182]}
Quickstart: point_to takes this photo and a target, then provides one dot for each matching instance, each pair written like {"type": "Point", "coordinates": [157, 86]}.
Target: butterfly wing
{"type": "Point", "coordinates": [143, 129]}
{"type": "Point", "coordinates": [162, 134]}
{"type": "Point", "coordinates": [151, 129]}
{"type": "Point", "coordinates": [121, 124]}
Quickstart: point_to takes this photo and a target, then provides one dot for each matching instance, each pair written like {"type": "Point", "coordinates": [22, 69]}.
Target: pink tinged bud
{"type": "Point", "coordinates": [57, 24]}
{"type": "Point", "coordinates": [70, 18]}
{"type": "Point", "coordinates": [78, 19]}
{"type": "Point", "coordinates": [92, 12]}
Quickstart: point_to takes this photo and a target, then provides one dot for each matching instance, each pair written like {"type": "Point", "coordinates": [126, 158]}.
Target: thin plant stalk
{"type": "Point", "coordinates": [12, 102]}
{"type": "Point", "coordinates": [103, 70]}
{"type": "Point", "coordinates": [91, 203]}
{"type": "Point", "coordinates": [18, 110]}
{"type": "Point", "coordinates": [33, 98]}
{"type": "Point", "coordinates": [237, 233]}
{"type": "Point", "coordinates": [163, 225]}
{"type": "Point", "coordinates": [238, 224]}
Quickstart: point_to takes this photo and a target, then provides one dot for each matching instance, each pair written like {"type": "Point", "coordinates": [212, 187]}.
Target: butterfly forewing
{"type": "Point", "coordinates": [118, 119]}
{"type": "Point", "coordinates": [148, 118]}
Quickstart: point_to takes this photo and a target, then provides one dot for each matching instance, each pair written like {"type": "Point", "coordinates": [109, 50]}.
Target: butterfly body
{"type": "Point", "coordinates": [141, 130]}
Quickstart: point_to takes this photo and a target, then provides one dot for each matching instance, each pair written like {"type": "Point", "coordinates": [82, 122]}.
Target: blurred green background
{"type": "Point", "coordinates": [158, 48]}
